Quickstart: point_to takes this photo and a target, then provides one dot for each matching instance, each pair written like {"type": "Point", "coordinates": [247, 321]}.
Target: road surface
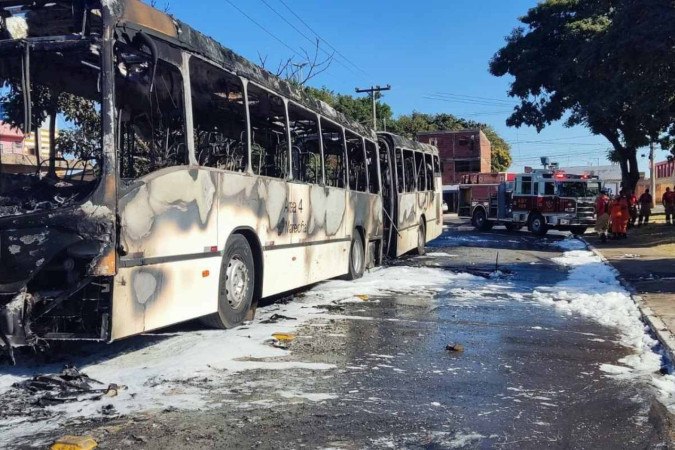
{"type": "Point", "coordinates": [373, 371]}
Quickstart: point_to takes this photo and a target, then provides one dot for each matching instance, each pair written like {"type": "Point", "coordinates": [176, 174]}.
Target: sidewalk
{"type": "Point", "coordinates": [646, 261]}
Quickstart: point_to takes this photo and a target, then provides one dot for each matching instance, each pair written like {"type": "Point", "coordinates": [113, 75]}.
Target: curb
{"type": "Point", "coordinates": [658, 327]}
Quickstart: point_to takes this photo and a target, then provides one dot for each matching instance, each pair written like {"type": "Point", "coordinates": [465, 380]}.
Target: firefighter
{"type": "Point", "coordinates": [668, 201]}
{"type": "Point", "coordinates": [632, 208]}
{"type": "Point", "coordinates": [602, 215]}
{"type": "Point", "coordinates": [620, 216]}
{"type": "Point", "coordinates": [645, 203]}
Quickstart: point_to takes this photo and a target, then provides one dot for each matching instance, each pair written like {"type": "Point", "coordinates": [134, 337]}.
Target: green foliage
{"type": "Point", "coordinates": [359, 109]}
{"type": "Point", "coordinates": [606, 64]}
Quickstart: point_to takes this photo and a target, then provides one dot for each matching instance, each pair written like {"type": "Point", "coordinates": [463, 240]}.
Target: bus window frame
{"type": "Point", "coordinates": [317, 117]}
{"type": "Point", "coordinates": [345, 175]}
{"type": "Point", "coordinates": [402, 189]}
{"type": "Point", "coordinates": [249, 137]}
{"type": "Point", "coordinates": [377, 164]}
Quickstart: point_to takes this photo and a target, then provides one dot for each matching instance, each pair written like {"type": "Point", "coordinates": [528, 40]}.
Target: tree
{"type": "Point", "coordinates": [359, 109]}
{"type": "Point", "coordinates": [606, 64]}
{"type": "Point", "coordinates": [299, 71]}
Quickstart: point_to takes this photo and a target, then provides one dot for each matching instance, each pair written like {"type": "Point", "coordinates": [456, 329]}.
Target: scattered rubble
{"type": "Point", "coordinates": [74, 443]}
{"type": "Point", "coordinates": [274, 318]}
{"type": "Point", "coordinates": [454, 348]}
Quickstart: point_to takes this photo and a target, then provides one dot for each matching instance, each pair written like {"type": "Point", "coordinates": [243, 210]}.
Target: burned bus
{"type": "Point", "coordinates": [171, 179]}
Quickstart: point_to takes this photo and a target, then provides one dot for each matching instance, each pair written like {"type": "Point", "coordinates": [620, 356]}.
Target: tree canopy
{"type": "Point", "coordinates": [605, 64]}
{"type": "Point", "coordinates": [360, 109]}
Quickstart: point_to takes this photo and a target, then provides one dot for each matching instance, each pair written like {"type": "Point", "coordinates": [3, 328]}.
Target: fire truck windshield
{"type": "Point", "coordinates": [578, 189]}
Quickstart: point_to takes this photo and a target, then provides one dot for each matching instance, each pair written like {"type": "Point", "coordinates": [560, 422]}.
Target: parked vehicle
{"type": "Point", "coordinates": [540, 199]}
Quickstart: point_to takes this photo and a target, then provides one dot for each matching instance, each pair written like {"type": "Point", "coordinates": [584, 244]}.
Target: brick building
{"type": "Point", "coordinates": [462, 152]}
{"type": "Point", "coordinates": [665, 177]}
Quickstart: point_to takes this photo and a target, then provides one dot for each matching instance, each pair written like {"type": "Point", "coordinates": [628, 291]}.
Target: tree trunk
{"type": "Point", "coordinates": [632, 176]}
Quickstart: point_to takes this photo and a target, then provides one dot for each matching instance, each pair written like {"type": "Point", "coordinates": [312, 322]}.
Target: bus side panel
{"type": "Point", "coordinates": [169, 234]}
{"type": "Point", "coordinates": [317, 220]}
{"type": "Point", "coordinates": [365, 212]}
{"type": "Point", "coordinates": [435, 226]}
{"type": "Point", "coordinates": [151, 297]}
{"type": "Point", "coordinates": [407, 223]}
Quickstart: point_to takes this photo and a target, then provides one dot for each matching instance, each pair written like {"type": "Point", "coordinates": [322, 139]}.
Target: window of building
{"type": "Point", "coordinates": [536, 189]}
{"type": "Point", "coordinates": [269, 145]}
{"type": "Point", "coordinates": [153, 126]}
{"type": "Point", "coordinates": [371, 159]}
{"type": "Point", "coordinates": [409, 170]}
{"type": "Point", "coordinates": [305, 145]}
{"type": "Point", "coordinates": [428, 166]}
{"type": "Point", "coordinates": [467, 166]}
{"type": "Point", "coordinates": [526, 186]}
{"type": "Point", "coordinates": [400, 171]}
{"type": "Point", "coordinates": [219, 117]}
{"type": "Point", "coordinates": [358, 178]}
{"type": "Point", "coordinates": [333, 153]}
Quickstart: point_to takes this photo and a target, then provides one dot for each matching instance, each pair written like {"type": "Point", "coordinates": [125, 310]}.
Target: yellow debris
{"type": "Point", "coordinates": [363, 297]}
{"type": "Point", "coordinates": [74, 443]}
{"type": "Point", "coordinates": [283, 336]}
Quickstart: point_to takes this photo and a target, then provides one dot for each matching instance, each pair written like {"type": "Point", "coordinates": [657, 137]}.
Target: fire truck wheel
{"type": "Point", "coordinates": [538, 224]}
{"type": "Point", "coordinates": [480, 220]}
{"type": "Point", "coordinates": [578, 231]}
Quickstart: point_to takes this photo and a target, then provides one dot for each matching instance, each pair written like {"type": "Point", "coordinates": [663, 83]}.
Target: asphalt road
{"type": "Point", "coordinates": [528, 377]}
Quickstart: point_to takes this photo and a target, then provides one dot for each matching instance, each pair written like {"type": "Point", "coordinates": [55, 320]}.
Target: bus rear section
{"type": "Point", "coordinates": [412, 195]}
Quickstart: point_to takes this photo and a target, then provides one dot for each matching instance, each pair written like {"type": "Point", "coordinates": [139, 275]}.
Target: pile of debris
{"type": "Point", "coordinates": [70, 385]}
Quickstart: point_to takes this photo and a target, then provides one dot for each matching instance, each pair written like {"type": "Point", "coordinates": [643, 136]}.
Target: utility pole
{"type": "Point", "coordinates": [652, 174]}
{"type": "Point", "coordinates": [372, 90]}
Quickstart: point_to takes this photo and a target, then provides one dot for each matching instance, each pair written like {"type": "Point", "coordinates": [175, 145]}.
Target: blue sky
{"type": "Point", "coordinates": [421, 49]}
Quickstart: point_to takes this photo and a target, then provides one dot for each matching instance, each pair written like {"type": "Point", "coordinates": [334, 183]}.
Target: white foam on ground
{"type": "Point", "coordinates": [593, 290]}
{"type": "Point", "coordinates": [184, 369]}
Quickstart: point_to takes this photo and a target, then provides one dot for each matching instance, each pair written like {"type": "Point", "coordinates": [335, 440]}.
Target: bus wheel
{"type": "Point", "coordinates": [236, 285]}
{"type": "Point", "coordinates": [538, 225]}
{"type": "Point", "coordinates": [357, 257]}
{"type": "Point", "coordinates": [578, 231]}
{"type": "Point", "coordinates": [421, 238]}
{"type": "Point", "coordinates": [480, 220]}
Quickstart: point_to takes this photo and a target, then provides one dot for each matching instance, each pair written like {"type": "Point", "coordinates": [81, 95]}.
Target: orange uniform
{"type": "Point", "coordinates": [620, 215]}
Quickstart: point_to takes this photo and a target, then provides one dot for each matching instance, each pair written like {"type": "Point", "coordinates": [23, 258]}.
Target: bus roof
{"type": "Point", "coordinates": [135, 14]}
{"type": "Point", "coordinates": [404, 142]}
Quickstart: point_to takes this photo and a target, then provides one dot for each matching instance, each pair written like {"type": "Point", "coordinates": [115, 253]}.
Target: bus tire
{"type": "Point", "coordinates": [357, 257]}
{"type": "Point", "coordinates": [538, 224]}
{"type": "Point", "coordinates": [480, 220]}
{"type": "Point", "coordinates": [236, 285]}
{"type": "Point", "coordinates": [578, 231]}
{"type": "Point", "coordinates": [421, 238]}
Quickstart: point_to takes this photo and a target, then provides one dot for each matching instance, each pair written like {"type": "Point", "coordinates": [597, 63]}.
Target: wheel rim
{"type": "Point", "coordinates": [236, 282]}
{"type": "Point", "coordinates": [357, 256]}
{"type": "Point", "coordinates": [479, 219]}
{"type": "Point", "coordinates": [536, 224]}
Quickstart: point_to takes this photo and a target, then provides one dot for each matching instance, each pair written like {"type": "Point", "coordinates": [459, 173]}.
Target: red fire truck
{"type": "Point", "coordinates": [540, 199]}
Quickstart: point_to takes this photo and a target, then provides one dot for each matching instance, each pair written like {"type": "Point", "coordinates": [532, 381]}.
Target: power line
{"type": "Point", "coordinates": [263, 28]}
{"type": "Point", "coordinates": [304, 35]}
{"type": "Point", "coordinates": [449, 94]}
{"type": "Point", "coordinates": [322, 39]}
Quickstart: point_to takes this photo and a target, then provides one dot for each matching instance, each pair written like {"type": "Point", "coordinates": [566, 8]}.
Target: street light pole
{"type": "Point", "coordinates": [372, 90]}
